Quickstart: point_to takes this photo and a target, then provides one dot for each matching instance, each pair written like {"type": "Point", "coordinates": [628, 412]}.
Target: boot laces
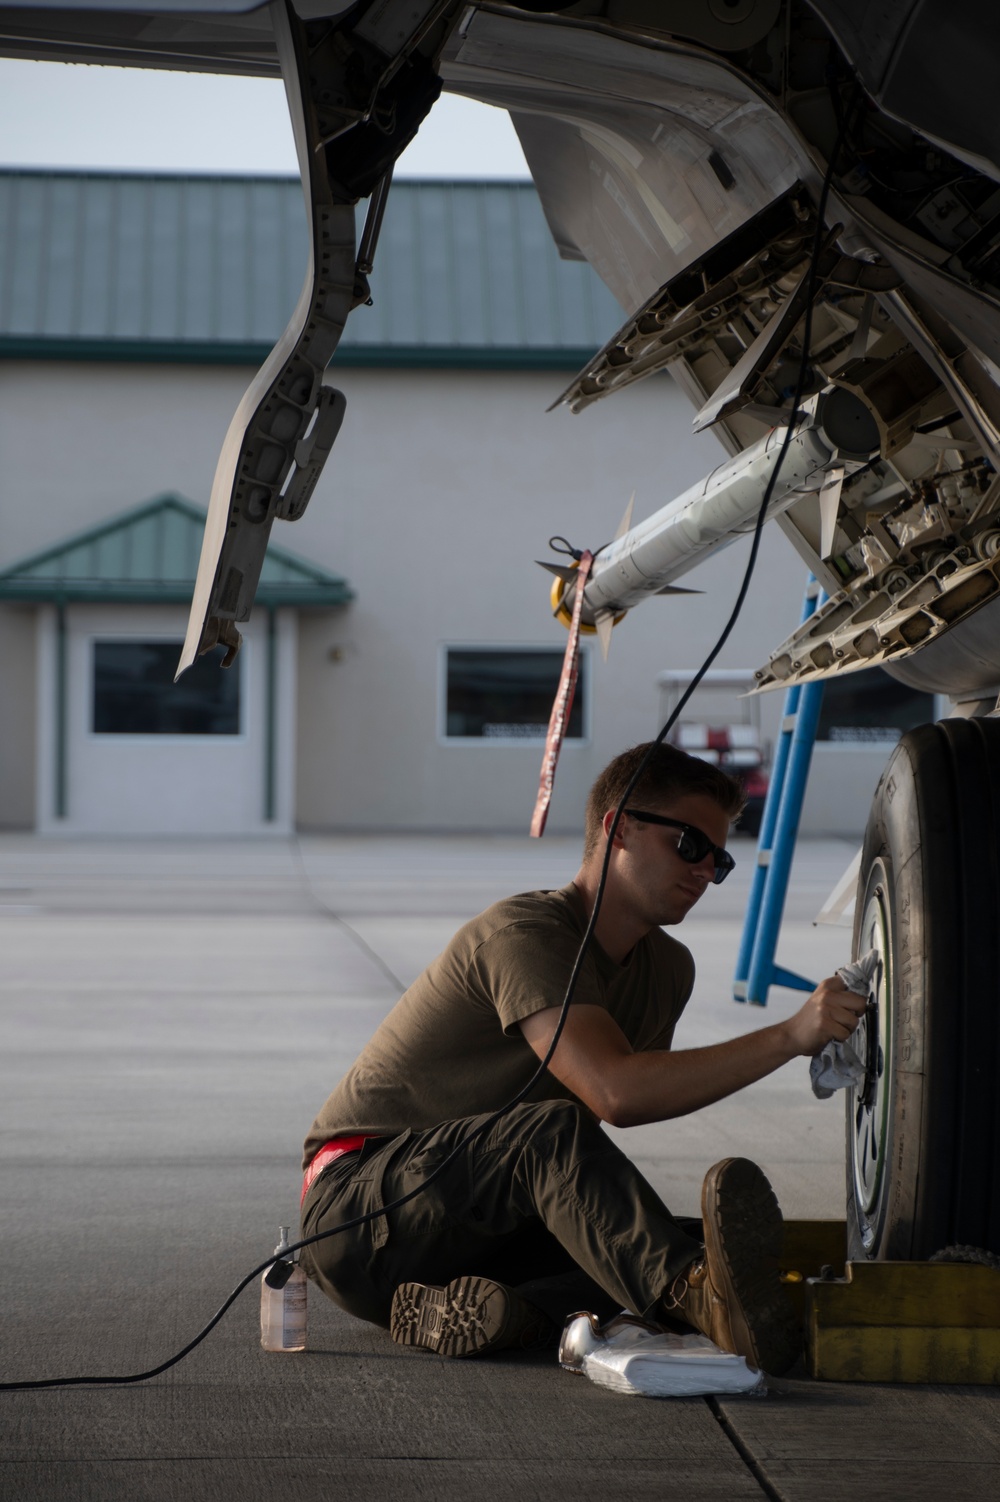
{"type": "Point", "coordinates": [678, 1291]}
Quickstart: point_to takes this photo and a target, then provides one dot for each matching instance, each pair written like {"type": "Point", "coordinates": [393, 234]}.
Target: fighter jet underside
{"type": "Point", "coordinates": [680, 147]}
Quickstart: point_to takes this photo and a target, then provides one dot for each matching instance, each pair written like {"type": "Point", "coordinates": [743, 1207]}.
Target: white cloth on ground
{"type": "Point", "coordinates": [841, 1064]}
{"type": "Point", "coordinates": [629, 1356]}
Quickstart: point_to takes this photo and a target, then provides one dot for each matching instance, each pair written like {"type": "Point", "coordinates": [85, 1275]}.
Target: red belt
{"type": "Point", "coordinates": [329, 1153]}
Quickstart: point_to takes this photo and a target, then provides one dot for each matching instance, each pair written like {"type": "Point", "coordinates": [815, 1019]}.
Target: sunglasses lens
{"type": "Point", "coordinates": [692, 846]}
{"type": "Point", "coordinates": [724, 863]}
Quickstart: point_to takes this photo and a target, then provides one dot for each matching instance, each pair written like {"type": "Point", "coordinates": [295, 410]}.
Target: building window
{"type": "Point", "coordinates": [494, 694]}
{"type": "Point", "coordinates": [135, 692]}
{"type": "Point", "coordinates": [871, 708]}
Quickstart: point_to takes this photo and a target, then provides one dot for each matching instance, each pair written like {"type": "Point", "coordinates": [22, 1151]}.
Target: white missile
{"type": "Point", "coordinates": [834, 437]}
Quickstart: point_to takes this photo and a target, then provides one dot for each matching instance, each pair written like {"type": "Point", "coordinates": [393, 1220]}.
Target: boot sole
{"type": "Point", "coordinates": [743, 1240]}
{"type": "Point", "coordinates": [467, 1318]}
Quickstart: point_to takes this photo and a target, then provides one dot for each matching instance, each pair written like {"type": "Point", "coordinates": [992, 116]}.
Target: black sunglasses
{"type": "Point", "coordinates": [693, 845]}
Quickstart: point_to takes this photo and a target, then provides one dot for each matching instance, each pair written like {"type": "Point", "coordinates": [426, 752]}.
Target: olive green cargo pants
{"type": "Point", "coordinates": [543, 1202]}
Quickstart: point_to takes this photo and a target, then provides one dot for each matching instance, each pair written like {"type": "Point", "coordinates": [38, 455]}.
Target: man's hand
{"type": "Point", "coordinates": [829, 1016]}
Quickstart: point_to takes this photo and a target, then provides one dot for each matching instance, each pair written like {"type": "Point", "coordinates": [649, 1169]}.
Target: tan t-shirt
{"type": "Point", "coordinates": [451, 1046]}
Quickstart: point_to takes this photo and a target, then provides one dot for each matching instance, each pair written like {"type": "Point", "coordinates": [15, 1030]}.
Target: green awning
{"type": "Point", "coordinates": [149, 556]}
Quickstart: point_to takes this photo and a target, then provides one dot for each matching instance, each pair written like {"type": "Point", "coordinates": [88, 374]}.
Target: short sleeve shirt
{"type": "Point", "coordinates": [451, 1046]}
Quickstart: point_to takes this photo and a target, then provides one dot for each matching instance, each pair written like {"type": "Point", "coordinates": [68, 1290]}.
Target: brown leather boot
{"type": "Point", "coordinates": [468, 1317]}
{"type": "Point", "coordinates": [733, 1294]}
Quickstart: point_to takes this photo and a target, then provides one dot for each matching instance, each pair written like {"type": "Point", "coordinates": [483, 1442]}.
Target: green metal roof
{"type": "Point", "coordinates": [167, 268]}
{"type": "Point", "coordinates": [149, 555]}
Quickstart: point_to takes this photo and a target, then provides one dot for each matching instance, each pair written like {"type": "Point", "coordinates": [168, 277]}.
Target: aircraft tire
{"type": "Point", "coordinates": [923, 1130]}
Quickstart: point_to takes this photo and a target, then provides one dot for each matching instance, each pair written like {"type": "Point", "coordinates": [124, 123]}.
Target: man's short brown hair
{"type": "Point", "coordinates": [668, 774]}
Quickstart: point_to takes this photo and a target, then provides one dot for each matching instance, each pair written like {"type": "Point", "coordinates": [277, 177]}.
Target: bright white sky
{"type": "Point", "coordinates": [76, 115]}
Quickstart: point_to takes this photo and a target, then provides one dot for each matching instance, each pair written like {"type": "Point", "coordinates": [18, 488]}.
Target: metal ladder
{"type": "Point", "coordinates": [756, 971]}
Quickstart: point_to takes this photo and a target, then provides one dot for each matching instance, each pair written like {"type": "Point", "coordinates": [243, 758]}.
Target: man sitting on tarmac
{"type": "Point", "coordinates": [542, 1215]}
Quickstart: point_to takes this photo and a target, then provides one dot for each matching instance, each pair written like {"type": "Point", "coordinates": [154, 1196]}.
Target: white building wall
{"type": "Point", "coordinates": [443, 488]}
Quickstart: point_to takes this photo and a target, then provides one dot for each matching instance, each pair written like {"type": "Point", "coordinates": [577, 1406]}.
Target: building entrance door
{"type": "Point", "coordinates": [128, 751]}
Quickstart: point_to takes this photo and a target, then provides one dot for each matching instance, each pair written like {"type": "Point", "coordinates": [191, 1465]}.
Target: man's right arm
{"type": "Point", "coordinates": [595, 1060]}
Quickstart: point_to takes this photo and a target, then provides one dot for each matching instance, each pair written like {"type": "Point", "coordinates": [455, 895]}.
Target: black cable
{"type": "Point", "coordinates": [588, 936]}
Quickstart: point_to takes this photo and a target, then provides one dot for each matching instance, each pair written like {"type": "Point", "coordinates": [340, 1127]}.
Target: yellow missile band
{"type": "Point", "coordinates": [564, 615]}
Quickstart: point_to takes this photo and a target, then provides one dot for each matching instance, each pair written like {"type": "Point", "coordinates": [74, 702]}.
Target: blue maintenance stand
{"type": "Point", "coordinates": [756, 971]}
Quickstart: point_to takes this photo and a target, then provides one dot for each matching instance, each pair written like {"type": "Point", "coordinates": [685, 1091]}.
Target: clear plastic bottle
{"type": "Point", "coordinates": [283, 1310]}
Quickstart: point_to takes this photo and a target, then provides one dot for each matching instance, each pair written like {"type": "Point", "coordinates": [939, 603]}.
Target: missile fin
{"type": "Point", "coordinates": [829, 505]}
{"type": "Point", "coordinates": [859, 344]}
{"type": "Point", "coordinates": [626, 521]}
{"type": "Point", "coordinates": [561, 570]}
{"type": "Point", "coordinates": [604, 621]}
{"type": "Point", "coordinates": [675, 589]}
{"type": "Point", "coordinates": [774, 417]}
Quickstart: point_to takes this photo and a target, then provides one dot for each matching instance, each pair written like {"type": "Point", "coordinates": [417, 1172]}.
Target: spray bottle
{"type": "Point", "coordinates": [283, 1303]}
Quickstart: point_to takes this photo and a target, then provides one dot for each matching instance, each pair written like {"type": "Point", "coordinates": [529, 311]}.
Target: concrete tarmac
{"type": "Point", "coordinates": [171, 1017]}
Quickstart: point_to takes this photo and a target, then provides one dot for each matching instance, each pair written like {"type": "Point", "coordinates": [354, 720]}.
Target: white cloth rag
{"type": "Point", "coordinates": [843, 1064]}
{"type": "Point", "coordinates": [628, 1357]}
